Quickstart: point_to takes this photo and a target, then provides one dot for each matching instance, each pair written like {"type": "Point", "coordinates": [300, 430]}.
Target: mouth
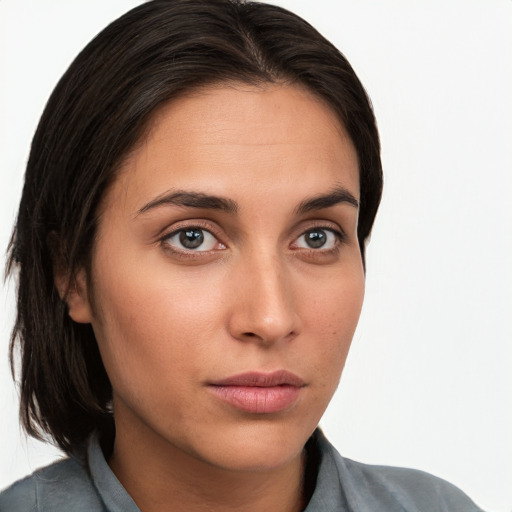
{"type": "Point", "coordinates": [259, 392]}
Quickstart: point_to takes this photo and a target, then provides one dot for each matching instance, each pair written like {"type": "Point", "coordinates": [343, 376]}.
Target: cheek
{"type": "Point", "coordinates": [334, 303]}
{"type": "Point", "coordinates": [333, 314]}
{"type": "Point", "coordinates": [144, 326]}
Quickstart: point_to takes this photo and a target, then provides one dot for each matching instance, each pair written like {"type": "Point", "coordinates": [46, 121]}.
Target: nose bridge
{"type": "Point", "coordinates": [264, 307]}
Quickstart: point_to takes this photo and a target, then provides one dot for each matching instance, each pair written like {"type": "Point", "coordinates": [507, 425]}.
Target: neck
{"type": "Point", "coordinates": [160, 476]}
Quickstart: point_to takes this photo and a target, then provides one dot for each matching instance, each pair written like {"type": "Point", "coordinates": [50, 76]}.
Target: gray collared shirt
{"type": "Point", "coordinates": [342, 485]}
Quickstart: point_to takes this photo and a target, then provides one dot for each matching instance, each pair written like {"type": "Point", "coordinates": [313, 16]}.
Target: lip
{"type": "Point", "coordinates": [259, 392]}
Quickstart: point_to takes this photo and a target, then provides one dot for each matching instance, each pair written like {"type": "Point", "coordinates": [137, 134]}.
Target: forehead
{"type": "Point", "coordinates": [239, 109]}
{"type": "Point", "coordinates": [237, 138]}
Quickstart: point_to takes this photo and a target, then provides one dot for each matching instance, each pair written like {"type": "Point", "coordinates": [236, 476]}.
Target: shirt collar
{"type": "Point", "coordinates": [110, 489]}
{"type": "Point", "coordinates": [328, 495]}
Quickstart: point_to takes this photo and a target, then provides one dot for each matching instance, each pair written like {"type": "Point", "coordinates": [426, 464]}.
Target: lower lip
{"type": "Point", "coordinates": [259, 400]}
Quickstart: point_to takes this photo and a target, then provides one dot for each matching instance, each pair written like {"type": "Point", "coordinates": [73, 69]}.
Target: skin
{"type": "Point", "coordinates": [254, 297]}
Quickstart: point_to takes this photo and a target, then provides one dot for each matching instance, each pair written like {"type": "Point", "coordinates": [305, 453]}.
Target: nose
{"type": "Point", "coordinates": [264, 303]}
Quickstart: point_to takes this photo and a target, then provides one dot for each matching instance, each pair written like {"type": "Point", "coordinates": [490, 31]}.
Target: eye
{"type": "Point", "coordinates": [193, 239]}
{"type": "Point", "coordinates": [318, 238]}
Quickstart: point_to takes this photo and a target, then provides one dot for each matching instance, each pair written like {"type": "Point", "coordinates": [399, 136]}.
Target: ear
{"type": "Point", "coordinates": [75, 294]}
{"type": "Point", "coordinates": [72, 289]}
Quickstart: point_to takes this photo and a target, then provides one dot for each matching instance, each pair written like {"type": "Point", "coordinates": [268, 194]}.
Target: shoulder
{"type": "Point", "coordinates": [52, 488]}
{"type": "Point", "coordinates": [412, 489]}
{"type": "Point", "coordinates": [366, 487]}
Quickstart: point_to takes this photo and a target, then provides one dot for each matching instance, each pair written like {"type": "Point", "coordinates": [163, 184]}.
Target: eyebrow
{"type": "Point", "coordinates": [209, 202]}
{"type": "Point", "coordinates": [191, 200]}
{"type": "Point", "coordinates": [336, 196]}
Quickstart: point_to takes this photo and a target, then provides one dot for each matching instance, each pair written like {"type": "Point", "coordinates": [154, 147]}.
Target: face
{"type": "Point", "coordinates": [226, 279]}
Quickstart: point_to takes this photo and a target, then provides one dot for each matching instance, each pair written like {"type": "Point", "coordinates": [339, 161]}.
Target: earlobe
{"type": "Point", "coordinates": [73, 291]}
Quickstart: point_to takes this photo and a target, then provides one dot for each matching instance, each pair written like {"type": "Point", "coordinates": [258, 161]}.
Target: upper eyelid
{"type": "Point", "coordinates": [184, 225]}
{"type": "Point", "coordinates": [335, 231]}
{"type": "Point", "coordinates": [321, 224]}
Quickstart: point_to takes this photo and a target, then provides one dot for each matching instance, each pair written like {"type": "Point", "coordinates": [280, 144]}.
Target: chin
{"type": "Point", "coordinates": [260, 445]}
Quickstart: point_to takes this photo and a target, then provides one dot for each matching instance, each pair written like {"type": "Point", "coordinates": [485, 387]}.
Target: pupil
{"type": "Point", "coordinates": [191, 238]}
{"type": "Point", "coordinates": [316, 238]}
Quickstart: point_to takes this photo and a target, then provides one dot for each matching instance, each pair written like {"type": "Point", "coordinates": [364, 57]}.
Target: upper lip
{"type": "Point", "coordinates": [261, 379]}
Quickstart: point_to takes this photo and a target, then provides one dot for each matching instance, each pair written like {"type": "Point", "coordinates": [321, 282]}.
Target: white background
{"type": "Point", "coordinates": [428, 383]}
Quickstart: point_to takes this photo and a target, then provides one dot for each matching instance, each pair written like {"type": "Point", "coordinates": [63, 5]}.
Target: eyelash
{"type": "Point", "coordinates": [190, 253]}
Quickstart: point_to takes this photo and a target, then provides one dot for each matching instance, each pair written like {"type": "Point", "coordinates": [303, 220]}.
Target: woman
{"type": "Point", "coordinates": [190, 245]}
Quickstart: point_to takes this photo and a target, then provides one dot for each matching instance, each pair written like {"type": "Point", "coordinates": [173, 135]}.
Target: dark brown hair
{"type": "Point", "coordinates": [95, 115]}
